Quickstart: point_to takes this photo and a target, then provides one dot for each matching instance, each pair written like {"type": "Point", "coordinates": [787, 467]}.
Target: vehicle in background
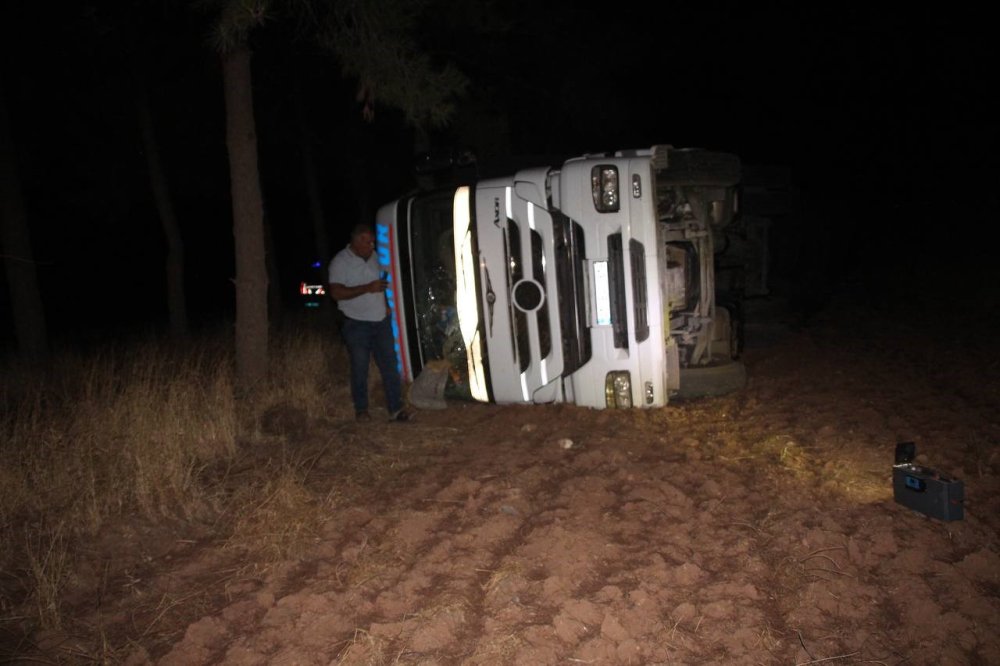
{"type": "Point", "coordinates": [312, 290]}
{"type": "Point", "coordinates": [589, 282]}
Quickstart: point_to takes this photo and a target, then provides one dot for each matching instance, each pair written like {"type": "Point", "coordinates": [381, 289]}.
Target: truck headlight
{"type": "Point", "coordinates": [618, 389]}
{"type": "Point", "coordinates": [604, 187]}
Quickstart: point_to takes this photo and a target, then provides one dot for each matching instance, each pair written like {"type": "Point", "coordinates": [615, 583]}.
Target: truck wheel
{"type": "Point", "coordinates": [712, 380]}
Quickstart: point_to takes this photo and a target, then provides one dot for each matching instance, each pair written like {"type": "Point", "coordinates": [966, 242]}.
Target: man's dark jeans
{"type": "Point", "coordinates": [365, 339]}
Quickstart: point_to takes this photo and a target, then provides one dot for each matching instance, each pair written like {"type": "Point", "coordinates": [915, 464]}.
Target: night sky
{"type": "Point", "coordinates": [885, 119]}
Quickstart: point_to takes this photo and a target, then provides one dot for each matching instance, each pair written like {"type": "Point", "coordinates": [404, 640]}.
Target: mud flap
{"type": "Point", "coordinates": [427, 390]}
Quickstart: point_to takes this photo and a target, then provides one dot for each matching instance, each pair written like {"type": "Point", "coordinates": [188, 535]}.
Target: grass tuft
{"type": "Point", "coordinates": [145, 433]}
{"type": "Point", "coordinates": [277, 517]}
{"type": "Point", "coordinates": [48, 560]}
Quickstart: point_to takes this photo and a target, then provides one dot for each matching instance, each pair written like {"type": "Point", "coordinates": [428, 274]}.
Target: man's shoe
{"type": "Point", "coordinates": [401, 416]}
{"type": "Point", "coordinates": [362, 417]}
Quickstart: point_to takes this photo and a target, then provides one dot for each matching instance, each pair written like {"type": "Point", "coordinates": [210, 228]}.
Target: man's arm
{"type": "Point", "coordinates": [339, 292]}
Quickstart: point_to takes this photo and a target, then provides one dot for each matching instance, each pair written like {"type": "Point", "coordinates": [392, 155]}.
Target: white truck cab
{"type": "Point", "coordinates": [590, 282]}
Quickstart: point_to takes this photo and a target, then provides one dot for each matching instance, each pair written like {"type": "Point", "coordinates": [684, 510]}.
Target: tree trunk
{"type": "Point", "coordinates": [22, 273]}
{"type": "Point", "coordinates": [176, 301]}
{"type": "Point", "coordinates": [248, 222]}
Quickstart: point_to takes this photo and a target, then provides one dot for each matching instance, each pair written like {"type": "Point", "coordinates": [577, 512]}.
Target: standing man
{"type": "Point", "coordinates": [359, 290]}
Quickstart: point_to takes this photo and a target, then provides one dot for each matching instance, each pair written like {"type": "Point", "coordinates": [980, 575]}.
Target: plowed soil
{"type": "Point", "coordinates": [755, 528]}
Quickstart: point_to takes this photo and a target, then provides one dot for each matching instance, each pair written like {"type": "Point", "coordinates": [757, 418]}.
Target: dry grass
{"type": "Point", "coordinates": [277, 517]}
{"type": "Point", "coordinates": [864, 482]}
{"type": "Point", "coordinates": [121, 432]}
{"type": "Point", "coordinates": [301, 372]}
{"type": "Point", "coordinates": [783, 450]}
{"type": "Point", "coordinates": [500, 650]}
{"type": "Point", "coordinates": [856, 473]}
{"type": "Point", "coordinates": [372, 564]}
{"type": "Point", "coordinates": [130, 434]}
{"type": "Point", "coordinates": [48, 560]}
{"type": "Point", "coordinates": [366, 649]}
{"type": "Point", "coordinates": [509, 570]}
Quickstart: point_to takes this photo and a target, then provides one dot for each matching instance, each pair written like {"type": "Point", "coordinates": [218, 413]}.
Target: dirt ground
{"type": "Point", "coordinates": [756, 528]}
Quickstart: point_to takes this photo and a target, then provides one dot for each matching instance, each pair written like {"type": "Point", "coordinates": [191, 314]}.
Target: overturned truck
{"type": "Point", "coordinates": [591, 282]}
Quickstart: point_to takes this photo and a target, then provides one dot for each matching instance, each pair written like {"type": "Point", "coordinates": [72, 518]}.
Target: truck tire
{"type": "Point", "coordinates": [720, 378]}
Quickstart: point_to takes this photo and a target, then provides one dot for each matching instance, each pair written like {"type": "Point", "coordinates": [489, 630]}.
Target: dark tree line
{"type": "Point", "coordinates": [379, 65]}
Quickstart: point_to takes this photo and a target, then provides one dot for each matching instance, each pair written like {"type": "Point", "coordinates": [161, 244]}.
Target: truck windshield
{"type": "Point", "coordinates": [432, 267]}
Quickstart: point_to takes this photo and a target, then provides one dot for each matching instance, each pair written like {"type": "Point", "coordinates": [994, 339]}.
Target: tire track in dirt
{"type": "Point", "coordinates": [756, 528]}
